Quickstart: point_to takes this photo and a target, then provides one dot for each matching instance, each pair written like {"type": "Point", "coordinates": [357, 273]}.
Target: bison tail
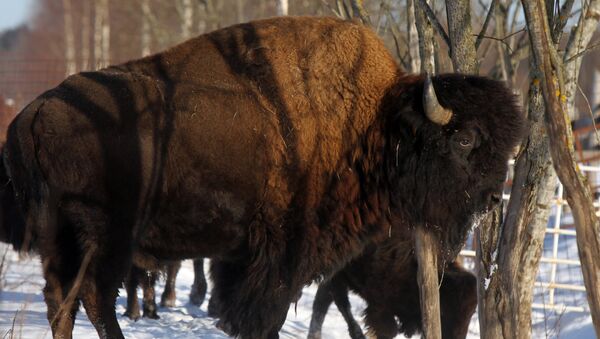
{"type": "Point", "coordinates": [12, 224]}
{"type": "Point", "coordinates": [24, 195]}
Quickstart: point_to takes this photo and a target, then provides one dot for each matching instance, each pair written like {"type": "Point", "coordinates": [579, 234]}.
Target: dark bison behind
{"type": "Point", "coordinates": [279, 147]}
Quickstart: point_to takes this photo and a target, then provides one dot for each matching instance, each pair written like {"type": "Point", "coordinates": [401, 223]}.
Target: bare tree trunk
{"type": "Point", "coordinates": [504, 60]}
{"type": "Point", "coordinates": [187, 19]}
{"type": "Point", "coordinates": [101, 34]}
{"type": "Point", "coordinates": [426, 244]}
{"type": "Point", "coordinates": [359, 11]}
{"type": "Point", "coordinates": [105, 34]}
{"type": "Point", "coordinates": [71, 64]}
{"type": "Point", "coordinates": [578, 192]}
{"type": "Point", "coordinates": [146, 33]}
{"type": "Point", "coordinates": [462, 51]}
{"type": "Point", "coordinates": [425, 32]}
{"type": "Point", "coordinates": [85, 35]}
{"type": "Point", "coordinates": [239, 7]}
{"type": "Point", "coordinates": [427, 279]}
{"type": "Point", "coordinates": [413, 38]}
{"type": "Point", "coordinates": [282, 7]}
{"type": "Point", "coordinates": [505, 303]}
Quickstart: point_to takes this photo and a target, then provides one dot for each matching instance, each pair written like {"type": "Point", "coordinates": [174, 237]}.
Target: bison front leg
{"type": "Point", "coordinates": [381, 321]}
{"type": "Point", "coordinates": [199, 287]}
{"type": "Point", "coordinates": [252, 301]}
{"type": "Point", "coordinates": [323, 300]}
{"type": "Point", "coordinates": [458, 300]}
{"type": "Point", "coordinates": [340, 296]}
{"type": "Point", "coordinates": [169, 297]}
{"type": "Point", "coordinates": [148, 279]}
{"type": "Point", "coordinates": [334, 290]}
{"type": "Point", "coordinates": [131, 285]}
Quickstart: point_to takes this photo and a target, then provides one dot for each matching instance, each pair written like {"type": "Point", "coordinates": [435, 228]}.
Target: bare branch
{"type": "Point", "coordinates": [434, 21]}
{"type": "Point", "coordinates": [591, 111]}
{"type": "Point", "coordinates": [358, 9]}
{"type": "Point", "coordinates": [486, 23]}
{"type": "Point", "coordinates": [588, 49]}
{"type": "Point", "coordinates": [563, 17]}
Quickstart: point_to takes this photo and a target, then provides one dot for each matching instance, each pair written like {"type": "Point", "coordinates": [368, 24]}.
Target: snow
{"type": "Point", "coordinates": [23, 310]}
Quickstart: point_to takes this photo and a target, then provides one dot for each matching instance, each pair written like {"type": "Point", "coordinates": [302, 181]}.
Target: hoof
{"type": "Point", "coordinates": [196, 299]}
{"type": "Point", "coordinates": [151, 315]}
{"type": "Point", "coordinates": [225, 327]}
{"type": "Point", "coordinates": [168, 303]}
{"type": "Point", "coordinates": [132, 315]}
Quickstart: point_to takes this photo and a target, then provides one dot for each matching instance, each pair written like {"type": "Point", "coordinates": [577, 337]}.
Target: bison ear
{"type": "Point", "coordinates": [433, 110]}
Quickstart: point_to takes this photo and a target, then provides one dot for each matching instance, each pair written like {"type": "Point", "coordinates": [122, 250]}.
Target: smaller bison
{"type": "Point", "coordinates": [392, 296]}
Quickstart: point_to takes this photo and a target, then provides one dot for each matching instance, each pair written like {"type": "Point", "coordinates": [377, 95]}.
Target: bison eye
{"type": "Point", "coordinates": [464, 142]}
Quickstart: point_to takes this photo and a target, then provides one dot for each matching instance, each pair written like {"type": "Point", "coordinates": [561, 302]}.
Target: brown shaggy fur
{"type": "Point", "coordinates": [281, 147]}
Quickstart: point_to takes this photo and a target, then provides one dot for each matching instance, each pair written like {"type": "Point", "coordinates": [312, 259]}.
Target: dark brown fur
{"type": "Point", "coordinates": [281, 147]}
{"type": "Point", "coordinates": [392, 294]}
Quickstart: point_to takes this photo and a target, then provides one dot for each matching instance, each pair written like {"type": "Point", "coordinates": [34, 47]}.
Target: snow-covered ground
{"type": "Point", "coordinates": [22, 309]}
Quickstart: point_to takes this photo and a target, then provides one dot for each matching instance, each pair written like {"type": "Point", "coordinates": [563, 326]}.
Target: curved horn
{"type": "Point", "coordinates": [433, 110]}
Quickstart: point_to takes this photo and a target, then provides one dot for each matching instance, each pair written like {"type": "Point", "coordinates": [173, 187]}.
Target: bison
{"type": "Point", "coordinates": [280, 147]}
{"type": "Point", "coordinates": [390, 289]}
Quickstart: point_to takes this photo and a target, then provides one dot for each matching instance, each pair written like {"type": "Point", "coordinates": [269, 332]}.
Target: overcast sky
{"type": "Point", "coordinates": [14, 12]}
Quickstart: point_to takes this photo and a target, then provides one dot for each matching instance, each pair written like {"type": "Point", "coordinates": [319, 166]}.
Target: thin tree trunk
{"type": "Point", "coordinates": [282, 7]}
{"type": "Point", "coordinates": [239, 7]}
{"type": "Point", "coordinates": [505, 304]}
{"type": "Point", "coordinates": [413, 38]}
{"type": "Point", "coordinates": [85, 35]}
{"type": "Point", "coordinates": [71, 64]}
{"type": "Point", "coordinates": [462, 51]}
{"type": "Point", "coordinates": [187, 19]}
{"type": "Point", "coordinates": [359, 11]}
{"type": "Point", "coordinates": [578, 192]}
{"type": "Point", "coordinates": [146, 32]}
{"type": "Point", "coordinates": [425, 32]}
{"type": "Point", "coordinates": [426, 246]}
{"type": "Point", "coordinates": [105, 34]}
{"type": "Point", "coordinates": [428, 281]}
{"type": "Point", "coordinates": [504, 60]}
{"type": "Point", "coordinates": [101, 34]}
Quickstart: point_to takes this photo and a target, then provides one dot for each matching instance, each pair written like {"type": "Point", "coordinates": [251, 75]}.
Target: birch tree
{"type": "Point", "coordinates": [71, 63]}
{"type": "Point", "coordinates": [146, 31]}
{"type": "Point", "coordinates": [282, 7]}
{"type": "Point", "coordinates": [187, 19]}
{"type": "Point", "coordinates": [101, 34]}
{"type": "Point", "coordinates": [85, 35]}
{"type": "Point", "coordinates": [413, 38]}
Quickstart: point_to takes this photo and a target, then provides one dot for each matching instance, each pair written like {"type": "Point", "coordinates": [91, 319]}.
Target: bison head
{"type": "Point", "coordinates": [451, 138]}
